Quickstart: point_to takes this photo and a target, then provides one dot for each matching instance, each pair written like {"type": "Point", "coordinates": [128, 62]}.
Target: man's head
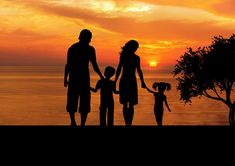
{"type": "Point", "coordinates": [85, 36]}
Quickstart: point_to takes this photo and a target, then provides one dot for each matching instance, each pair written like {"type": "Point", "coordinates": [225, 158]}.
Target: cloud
{"type": "Point", "coordinates": [225, 7]}
{"type": "Point", "coordinates": [157, 22]}
{"type": "Point", "coordinates": [25, 34]}
{"type": "Point", "coordinates": [217, 7]}
{"type": "Point", "coordinates": [138, 11]}
{"type": "Point", "coordinates": [47, 23]}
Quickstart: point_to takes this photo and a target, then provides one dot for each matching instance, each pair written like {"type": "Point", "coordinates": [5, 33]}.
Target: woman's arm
{"type": "Point", "coordinates": [141, 74]}
{"type": "Point", "coordinates": [118, 72]}
{"type": "Point", "coordinates": [149, 90]}
{"type": "Point", "coordinates": [114, 88]}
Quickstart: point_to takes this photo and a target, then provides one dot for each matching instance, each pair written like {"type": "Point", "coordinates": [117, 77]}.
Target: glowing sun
{"type": "Point", "coordinates": [153, 63]}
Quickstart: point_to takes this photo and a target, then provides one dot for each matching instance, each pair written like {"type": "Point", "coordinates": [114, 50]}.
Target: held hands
{"type": "Point", "coordinates": [102, 77]}
{"type": "Point", "coordinates": [93, 89]}
{"type": "Point", "coordinates": [116, 91]}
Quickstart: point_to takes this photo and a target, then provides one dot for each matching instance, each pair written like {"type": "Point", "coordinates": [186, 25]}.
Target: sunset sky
{"type": "Point", "coordinates": [39, 32]}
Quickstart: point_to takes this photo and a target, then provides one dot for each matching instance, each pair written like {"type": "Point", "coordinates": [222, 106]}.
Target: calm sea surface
{"type": "Point", "coordinates": [36, 96]}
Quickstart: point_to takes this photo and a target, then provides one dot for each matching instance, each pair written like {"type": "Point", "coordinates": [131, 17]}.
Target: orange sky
{"type": "Point", "coordinates": [39, 32]}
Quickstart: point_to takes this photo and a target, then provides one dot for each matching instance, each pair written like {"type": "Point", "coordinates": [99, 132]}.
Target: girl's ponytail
{"type": "Point", "coordinates": [168, 86]}
{"type": "Point", "coordinates": [155, 85]}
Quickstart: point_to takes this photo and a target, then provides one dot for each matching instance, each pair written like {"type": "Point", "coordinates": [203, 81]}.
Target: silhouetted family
{"type": "Point", "coordinates": [77, 69]}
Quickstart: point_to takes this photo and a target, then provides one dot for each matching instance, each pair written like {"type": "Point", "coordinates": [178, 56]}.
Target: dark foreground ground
{"type": "Point", "coordinates": [118, 144]}
{"type": "Point", "coordinates": [94, 133]}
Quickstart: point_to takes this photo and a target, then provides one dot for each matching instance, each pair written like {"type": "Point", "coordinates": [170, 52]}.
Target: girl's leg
{"type": "Point", "coordinates": [158, 117]}
{"type": "Point", "coordinates": [161, 117]}
{"type": "Point", "coordinates": [159, 120]}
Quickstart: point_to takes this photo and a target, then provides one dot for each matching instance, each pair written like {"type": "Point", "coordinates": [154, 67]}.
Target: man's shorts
{"type": "Point", "coordinates": [81, 95]}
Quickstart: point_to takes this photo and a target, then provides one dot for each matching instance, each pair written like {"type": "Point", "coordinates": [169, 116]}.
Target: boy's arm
{"type": "Point", "coordinates": [98, 85]}
{"type": "Point", "coordinates": [167, 105]}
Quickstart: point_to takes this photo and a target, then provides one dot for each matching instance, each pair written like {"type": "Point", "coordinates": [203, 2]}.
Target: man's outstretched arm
{"type": "Point", "coordinates": [95, 65]}
{"type": "Point", "coordinates": [67, 69]}
{"type": "Point", "coordinates": [66, 73]}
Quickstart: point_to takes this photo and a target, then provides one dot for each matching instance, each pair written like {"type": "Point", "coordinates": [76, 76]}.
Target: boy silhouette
{"type": "Point", "coordinates": [107, 88]}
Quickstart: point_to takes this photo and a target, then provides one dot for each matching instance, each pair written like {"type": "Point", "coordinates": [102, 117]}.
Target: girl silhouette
{"type": "Point", "coordinates": [128, 63]}
{"type": "Point", "coordinates": [159, 99]}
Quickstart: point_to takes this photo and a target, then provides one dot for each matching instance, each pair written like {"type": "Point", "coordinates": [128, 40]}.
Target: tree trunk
{"type": "Point", "coordinates": [231, 116]}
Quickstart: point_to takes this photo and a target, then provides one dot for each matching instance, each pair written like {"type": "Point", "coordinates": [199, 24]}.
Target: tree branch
{"type": "Point", "coordinates": [224, 84]}
{"type": "Point", "coordinates": [214, 89]}
{"type": "Point", "coordinates": [214, 98]}
{"type": "Point", "coordinates": [231, 85]}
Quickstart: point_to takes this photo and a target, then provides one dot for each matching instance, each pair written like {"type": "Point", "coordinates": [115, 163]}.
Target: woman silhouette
{"type": "Point", "coordinates": [128, 63]}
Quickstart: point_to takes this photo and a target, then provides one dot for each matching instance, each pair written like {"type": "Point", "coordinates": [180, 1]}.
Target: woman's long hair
{"type": "Point", "coordinates": [129, 48]}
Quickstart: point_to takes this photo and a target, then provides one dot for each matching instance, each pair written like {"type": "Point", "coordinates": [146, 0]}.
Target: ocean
{"type": "Point", "coordinates": [35, 95]}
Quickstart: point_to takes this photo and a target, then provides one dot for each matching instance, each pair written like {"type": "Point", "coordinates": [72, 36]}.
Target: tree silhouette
{"type": "Point", "coordinates": [209, 72]}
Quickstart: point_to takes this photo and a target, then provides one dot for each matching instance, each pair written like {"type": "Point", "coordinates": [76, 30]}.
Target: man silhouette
{"type": "Point", "coordinates": [78, 57]}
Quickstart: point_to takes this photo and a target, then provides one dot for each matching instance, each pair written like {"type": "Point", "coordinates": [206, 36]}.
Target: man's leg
{"type": "Point", "coordinates": [84, 109]}
{"type": "Point", "coordinates": [158, 117]}
{"type": "Point", "coordinates": [72, 104]}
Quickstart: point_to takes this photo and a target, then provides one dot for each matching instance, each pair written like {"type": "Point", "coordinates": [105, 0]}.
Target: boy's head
{"type": "Point", "coordinates": [162, 86]}
{"type": "Point", "coordinates": [109, 72]}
